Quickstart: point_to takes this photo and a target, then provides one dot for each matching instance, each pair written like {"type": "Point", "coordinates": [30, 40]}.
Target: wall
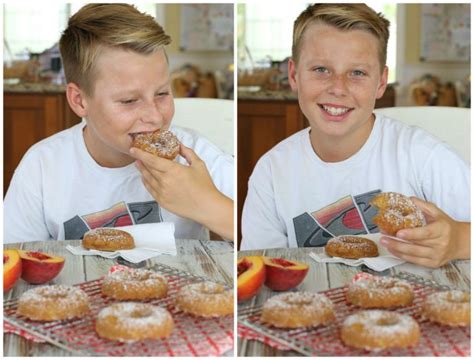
{"type": "Point", "coordinates": [409, 66]}
{"type": "Point", "coordinates": [206, 60]}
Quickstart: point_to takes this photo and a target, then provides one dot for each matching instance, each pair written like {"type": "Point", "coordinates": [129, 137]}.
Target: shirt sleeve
{"type": "Point", "coordinates": [262, 227]}
{"type": "Point", "coordinates": [23, 208]}
{"type": "Point", "coordinates": [446, 182]}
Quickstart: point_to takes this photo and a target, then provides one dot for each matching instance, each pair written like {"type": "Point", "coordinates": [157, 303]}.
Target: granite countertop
{"type": "Point", "coordinates": [30, 87]}
{"type": "Point", "coordinates": [261, 94]}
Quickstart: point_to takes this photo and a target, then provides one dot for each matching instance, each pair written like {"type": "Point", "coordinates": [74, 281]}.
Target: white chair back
{"type": "Point", "coordinates": [449, 124]}
{"type": "Point", "coordinates": [212, 118]}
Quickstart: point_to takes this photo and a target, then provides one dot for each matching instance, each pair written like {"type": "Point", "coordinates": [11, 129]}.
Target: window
{"type": "Point", "coordinates": [265, 32]}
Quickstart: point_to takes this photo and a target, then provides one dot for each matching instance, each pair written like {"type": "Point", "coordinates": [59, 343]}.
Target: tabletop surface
{"type": "Point", "coordinates": [211, 259]}
{"type": "Point", "coordinates": [323, 276]}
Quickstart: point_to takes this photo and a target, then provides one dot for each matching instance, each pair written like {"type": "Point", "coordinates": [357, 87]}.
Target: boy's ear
{"type": "Point", "coordinates": [76, 99]}
{"type": "Point", "coordinates": [383, 83]}
{"type": "Point", "coordinates": [292, 75]}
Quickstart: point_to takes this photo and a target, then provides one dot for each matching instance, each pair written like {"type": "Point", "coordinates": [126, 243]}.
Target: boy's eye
{"type": "Point", "coordinates": [128, 101]}
{"type": "Point", "coordinates": [358, 73]}
{"type": "Point", "coordinates": [164, 93]}
{"type": "Point", "coordinates": [321, 69]}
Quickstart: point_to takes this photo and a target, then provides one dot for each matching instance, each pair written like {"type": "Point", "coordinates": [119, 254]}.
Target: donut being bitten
{"type": "Point", "coordinates": [396, 212]}
{"type": "Point", "coordinates": [452, 308]}
{"type": "Point", "coordinates": [380, 292]}
{"type": "Point", "coordinates": [135, 284]}
{"type": "Point", "coordinates": [206, 299]}
{"type": "Point", "coordinates": [129, 322]}
{"type": "Point", "coordinates": [162, 143]}
{"type": "Point", "coordinates": [53, 302]}
{"type": "Point", "coordinates": [298, 310]}
{"type": "Point", "coordinates": [351, 247]}
{"type": "Point", "coordinates": [379, 329]}
{"type": "Point", "coordinates": [108, 239]}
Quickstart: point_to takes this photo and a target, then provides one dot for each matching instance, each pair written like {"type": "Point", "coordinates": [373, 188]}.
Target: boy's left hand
{"type": "Point", "coordinates": [440, 241]}
{"type": "Point", "coordinates": [178, 188]}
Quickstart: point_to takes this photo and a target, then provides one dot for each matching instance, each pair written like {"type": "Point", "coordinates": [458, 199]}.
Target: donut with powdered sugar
{"type": "Point", "coordinates": [107, 239]}
{"type": "Point", "coordinates": [351, 247]}
{"type": "Point", "coordinates": [162, 143]}
{"type": "Point", "coordinates": [452, 308]}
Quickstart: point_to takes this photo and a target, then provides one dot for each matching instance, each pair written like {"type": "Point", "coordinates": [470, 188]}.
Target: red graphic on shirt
{"type": "Point", "coordinates": [352, 219]}
{"type": "Point", "coordinates": [117, 215]}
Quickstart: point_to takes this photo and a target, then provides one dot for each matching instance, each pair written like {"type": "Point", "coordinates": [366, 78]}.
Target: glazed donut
{"type": "Point", "coordinates": [129, 322]}
{"type": "Point", "coordinates": [135, 284]}
{"type": "Point", "coordinates": [206, 299]}
{"type": "Point", "coordinates": [53, 302]}
{"type": "Point", "coordinates": [107, 239]}
{"type": "Point", "coordinates": [451, 308]}
{"type": "Point", "coordinates": [379, 329]}
{"type": "Point", "coordinates": [351, 247]}
{"type": "Point", "coordinates": [380, 292]}
{"type": "Point", "coordinates": [297, 310]}
{"type": "Point", "coordinates": [162, 143]}
{"type": "Point", "coordinates": [396, 212]}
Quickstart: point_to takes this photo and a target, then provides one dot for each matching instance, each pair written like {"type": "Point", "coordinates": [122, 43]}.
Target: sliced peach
{"type": "Point", "coordinates": [40, 267]}
{"type": "Point", "coordinates": [11, 268]}
{"type": "Point", "coordinates": [250, 277]}
{"type": "Point", "coordinates": [283, 274]}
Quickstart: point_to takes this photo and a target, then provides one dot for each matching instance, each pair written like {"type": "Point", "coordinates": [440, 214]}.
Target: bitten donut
{"type": "Point", "coordinates": [451, 308]}
{"type": "Point", "coordinates": [53, 302]}
{"type": "Point", "coordinates": [135, 284]}
{"type": "Point", "coordinates": [206, 299]}
{"type": "Point", "coordinates": [396, 212]}
{"type": "Point", "coordinates": [351, 247]}
{"type": "Point", "coordinates": [131, 322]}
{"type": "Point", "coordinates": [107, 239]}
{"type": "Point", "coordinates": [380, 292]}
{"type": "Point", "coordinates": [162, 143]}
{"type": "Point", "coordinates": [297, 310]}
{"type": "Point", "coordinates": [379, 329]}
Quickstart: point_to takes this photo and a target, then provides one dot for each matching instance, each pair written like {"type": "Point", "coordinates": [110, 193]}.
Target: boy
{"type": "Point", "coordinates": [85, 177]}
{"type": "Point", "coordinates": [348, 155]}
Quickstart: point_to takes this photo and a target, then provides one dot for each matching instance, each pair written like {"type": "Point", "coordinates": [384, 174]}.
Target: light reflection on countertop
{"type": "Point", "coordinates": [262, 94]}
{"type": "Point", "coordinates": [33, 87]}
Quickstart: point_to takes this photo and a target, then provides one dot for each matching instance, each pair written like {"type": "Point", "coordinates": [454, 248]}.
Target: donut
{"type": "Point", "coordinates": [129, 322]}
{"type": "Point", "coordinates": [298, 310]}
{"type": "Point", "coordinates": [379, 329]}
{"type": "Point", "coordinates": [452, 308]}
{"type": "Point", "coordinates": [162, 143]}
{"type": "Point", "coordinates": [206, 299]}
{"type": "Point", "coordinates": [107, 239]}
{"type": "Point", "coordinates": [135, 284]}
{"type": "Point", "coordinates": [351, 247]}
{"type": "Point", "coordinates": [53, 302]}
{"type": "Point", "coordinates": [396, 212]}
{"type": "Point", "coordinates": [380, 292]}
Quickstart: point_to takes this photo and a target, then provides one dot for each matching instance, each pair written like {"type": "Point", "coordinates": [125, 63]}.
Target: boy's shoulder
{"type": "Point", "coordinates": [291, 146]}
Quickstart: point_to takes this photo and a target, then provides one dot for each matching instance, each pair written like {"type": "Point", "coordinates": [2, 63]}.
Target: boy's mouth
{"type": "Point", "coordinates": [335, 110]}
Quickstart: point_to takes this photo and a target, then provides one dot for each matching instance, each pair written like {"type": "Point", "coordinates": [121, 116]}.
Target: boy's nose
{"type": "Point", "coordinates": [338, 85]}
{"type": "Point", "coordinates": [152, 113]}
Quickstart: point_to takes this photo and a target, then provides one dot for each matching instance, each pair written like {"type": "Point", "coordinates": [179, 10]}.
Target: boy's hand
{"type": "Point", "coordinates": [440, 241]}
{"type": "Point", "coordinates": [178, 188]}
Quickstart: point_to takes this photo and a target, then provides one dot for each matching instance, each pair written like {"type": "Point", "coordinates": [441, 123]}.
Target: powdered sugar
{"type": "Point", "coordinates": [136, 275]}
{"type": "Point", "coordinates": [381, 284]}
{"type": "Point", "coordinates": [58, 293]}
{"type": "Point", "coordinates": [381, 322]}
{"type": "Point", "coordinates": [161, 142]}
{"type": "Point", "coordinates": [301, 300]}
{"type": "Point", "coordinates": [108, 235]}
{"type": "Point", "coordinates": [133, 314]}
{"type": "Point", "coordinates": [352, 242]}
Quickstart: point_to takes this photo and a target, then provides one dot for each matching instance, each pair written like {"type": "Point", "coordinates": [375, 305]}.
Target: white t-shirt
{"type": "Point", "coordinates": [59, 192]}
{"type": "Point", "coordinates": [296, 199]}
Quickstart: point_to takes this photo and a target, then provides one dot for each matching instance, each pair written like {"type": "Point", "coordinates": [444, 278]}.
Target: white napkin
{"type": "Point", "coordinates": [150, 240]}
{"type": "Point", "coordinates": [384, 261]}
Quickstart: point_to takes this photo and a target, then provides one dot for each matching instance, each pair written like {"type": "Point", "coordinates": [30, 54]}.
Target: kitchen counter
{"type": "Point", "coordinates": [278, 95]}
{"type": "Point", "coordinates": [30, 87]}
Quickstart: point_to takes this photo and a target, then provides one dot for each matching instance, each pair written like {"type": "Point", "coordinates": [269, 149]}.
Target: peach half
{"type": "Point", "coordinates": [283, 274]}
{"type": "Point", "coordinates": [11, 268]}
{"type": "Point", "coordinates": [39, 267]}
{"type": "Point", "coordinates": [250, 277]}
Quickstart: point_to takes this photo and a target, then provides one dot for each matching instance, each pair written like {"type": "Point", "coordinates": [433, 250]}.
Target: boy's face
{"type": "Point", "coordinates": [131, 93]}
{"type": "Point", "coordinates": [338, 79]}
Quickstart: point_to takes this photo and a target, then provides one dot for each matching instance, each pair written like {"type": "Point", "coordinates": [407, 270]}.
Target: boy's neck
{"type": "Point", "coordinates": [333, 149]}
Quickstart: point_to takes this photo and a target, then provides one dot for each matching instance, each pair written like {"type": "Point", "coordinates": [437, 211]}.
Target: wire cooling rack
{"type": "Point", "coordinates": [192, 336]}
{"type": "Point", "coordinates": [436, 340]}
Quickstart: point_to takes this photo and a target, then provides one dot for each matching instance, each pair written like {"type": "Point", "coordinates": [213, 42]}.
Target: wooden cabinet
{"type": "Point", "coordinates": [29, 118]}
{"type": "Point", "coordinates": [261, 125]}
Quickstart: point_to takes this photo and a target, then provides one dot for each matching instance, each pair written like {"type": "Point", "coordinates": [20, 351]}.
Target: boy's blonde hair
{"type": "Point", "coordinates": [96, 26]}
{"type": "Point", "coordinates": [343, 17]}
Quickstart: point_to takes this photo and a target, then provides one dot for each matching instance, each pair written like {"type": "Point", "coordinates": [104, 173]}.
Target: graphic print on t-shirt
{"type": "Point", "coordinates": [120, 214]}
{"type": "Point", "coordinates": [351, 215]}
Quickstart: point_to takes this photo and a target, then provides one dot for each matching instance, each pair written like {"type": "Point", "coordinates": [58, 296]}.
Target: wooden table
{"type": "Point", "coordinates": [211, 259]}
{"type": "Point", "coordinates": [328, 276]}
